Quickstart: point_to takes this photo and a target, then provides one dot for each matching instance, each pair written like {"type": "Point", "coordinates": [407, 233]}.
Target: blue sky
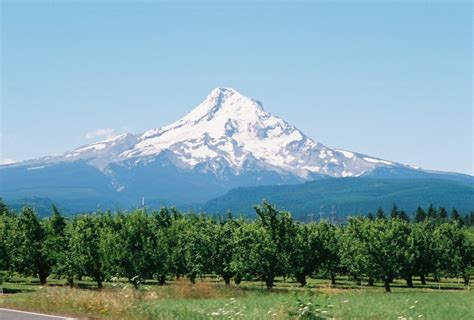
{"type": "Point", "coordinates": [392, 80]}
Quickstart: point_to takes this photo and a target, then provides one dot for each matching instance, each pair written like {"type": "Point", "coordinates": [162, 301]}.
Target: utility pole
{"type": "Point", "coordinates": [333, 213]}
{"type": "Point", "coordinates": [143, 202]}
{"type": "Point", "coordinates": [321, 212]}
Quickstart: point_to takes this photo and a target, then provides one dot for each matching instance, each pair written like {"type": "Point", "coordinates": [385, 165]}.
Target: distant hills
{"type": "Point", "coordinates": [349, 196]}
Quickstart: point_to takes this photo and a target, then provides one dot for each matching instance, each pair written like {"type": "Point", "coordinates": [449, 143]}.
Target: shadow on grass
{"type": "Point", "coordinates": [281, 285]}
{"type": "Point", "coordinates": [24, 281]}
{"type": "Point", "coordinates": [16, 290]}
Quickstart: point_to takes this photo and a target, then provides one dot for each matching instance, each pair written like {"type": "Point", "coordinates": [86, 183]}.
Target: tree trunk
{"type": "Point", "coordinates": [301, 278]}
{"type": "Point", "coordinates": [42, 277]}
{"type": "Point", "coordinates": [70, 281]}
{"type": "Point", "coordinates": [423, 279]}
{"type": "Point", "coordinates": [466, 280]}
{"type": "Point", "coordinates": [269, 282]}
{"type": "Point", "coordinates": [371, 282]}
{"type": "Point", "coordinates": [135, 282]}
{"type": "Point", "coordinates": [386, 283]}
{"type": "Point", "coordinates": [161, 280]}
{"type": "Point", "coordinates": [237, 279]}
{"type": "Point", "coordinates": [192, 277]}
{"type": "Point", "coordinates": [98, 279]}
{"type": "Point", "coordinates": [333, 278]}
{"type": "Point", "coordinates": [435, 277]}
{"type": "Point", "coordinates": [227, 281]}
{"type": "Point", "coordinates": [409, 280]}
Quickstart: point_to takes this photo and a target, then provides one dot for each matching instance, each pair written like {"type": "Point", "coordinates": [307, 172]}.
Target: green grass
{"type": "Point", "coordinates": [211, 299]}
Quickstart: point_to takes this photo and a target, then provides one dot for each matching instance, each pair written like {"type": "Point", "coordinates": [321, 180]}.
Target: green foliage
{"type": "Point", "coordinates": [306, 258]}
{"type": "Point", "coordinates": [420, 214]}
{"type": "Point", "coordinates": [4, 235]}
{"type": "Point", "coordinates": [375, 249]}
{"type": "Point", "coordinates": [455, 250]}
{"type": "Point", "coordinates": [432, 214]}
{"type": "Point", "coordinates": [421, 255]}
{"type": "Point", "coordinates": [87, 247]}
{"type": "Point", "coordinates": [56, 241]}
{"type": "Point", "coordinates": [223, 249]}
{"type": "Point", "coordinates": [30, 250]}
{"type": "Point", "coordinates": [198, 246]}
{"type": "Point", "coordinates": [4, 210]}
{"type": "Point", "coordinates": [380, 214]}
{"type": "Point", "coordinates": [141, 245]}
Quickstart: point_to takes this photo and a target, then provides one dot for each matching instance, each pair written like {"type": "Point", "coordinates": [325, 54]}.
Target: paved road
{"type": "Point", "coordinates": [9, 314]}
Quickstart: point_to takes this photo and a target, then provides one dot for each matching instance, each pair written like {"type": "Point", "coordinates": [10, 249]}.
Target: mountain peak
{"type": "Point", "coordinates": [226, 101]}
{"type": "Point", "coordinates": [229, 131]}
{"type": "Point", "coordinates": [220, 90]}
{"type": "Point", "coordinates": [219, 96]}
{"type": "Point", "coordinates": [221, 93]}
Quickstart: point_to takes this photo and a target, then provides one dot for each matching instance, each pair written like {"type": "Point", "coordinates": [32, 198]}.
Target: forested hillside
{"type": "Point", "coordinates": [349, 197]}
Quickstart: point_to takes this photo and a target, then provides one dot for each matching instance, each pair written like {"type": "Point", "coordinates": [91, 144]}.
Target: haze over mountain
{"type": "Point", "coordinates": [227, 141]}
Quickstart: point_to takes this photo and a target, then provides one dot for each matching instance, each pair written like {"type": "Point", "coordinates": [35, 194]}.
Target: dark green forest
{"type": "Point", "coordinates": [165, 244]}
{"type": "Point", "coordinates": [349, 196]}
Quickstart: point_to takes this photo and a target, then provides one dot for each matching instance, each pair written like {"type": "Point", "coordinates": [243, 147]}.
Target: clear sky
{"type": "Point", "coordinates": [389, 79]}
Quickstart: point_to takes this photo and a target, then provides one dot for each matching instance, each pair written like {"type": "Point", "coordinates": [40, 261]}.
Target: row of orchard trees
{"type": "Point", "coordinates": [167, 243]}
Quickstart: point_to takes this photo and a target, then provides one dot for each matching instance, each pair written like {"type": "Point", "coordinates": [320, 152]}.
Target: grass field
{"type": "Point", "coordinates": [208, 299]}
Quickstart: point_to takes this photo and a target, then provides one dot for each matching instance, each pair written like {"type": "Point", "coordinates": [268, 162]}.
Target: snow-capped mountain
{"type": "Point", "coordinates": [228, 130]}
{"type": "Point", "coordinates": [227, 141]}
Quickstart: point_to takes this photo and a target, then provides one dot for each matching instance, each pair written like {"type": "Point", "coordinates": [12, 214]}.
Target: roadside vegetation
{"type": "Point", "coordinates": [209, 298]}
{"type": "Point", "coordinates": [169, 264]}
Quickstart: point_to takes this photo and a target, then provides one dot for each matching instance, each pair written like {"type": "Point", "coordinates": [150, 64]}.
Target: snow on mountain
{"type": "Point", "coordinates": [98, 154]}
{"type": "Point", "coordinates": [227, 130]}
{"type": "Point", "coordinates": [231, 127]}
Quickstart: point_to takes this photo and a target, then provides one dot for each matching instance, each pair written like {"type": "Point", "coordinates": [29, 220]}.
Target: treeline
{"type": "Point", "coordinates": [166, 244]}
{"type": "Point", "coordinates": [434, 214]}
